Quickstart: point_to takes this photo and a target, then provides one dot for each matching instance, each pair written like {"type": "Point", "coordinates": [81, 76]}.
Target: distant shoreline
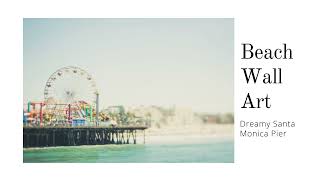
{"type": "Point", "coordinates": [188, 134]}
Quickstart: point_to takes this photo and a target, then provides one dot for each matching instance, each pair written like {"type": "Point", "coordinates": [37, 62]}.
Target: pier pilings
{"type": "Point", "coordinates": [75, 136]}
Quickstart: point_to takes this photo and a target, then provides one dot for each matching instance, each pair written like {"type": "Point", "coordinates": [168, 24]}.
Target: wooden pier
{"type": "Point", "coordinates": [75, 136]}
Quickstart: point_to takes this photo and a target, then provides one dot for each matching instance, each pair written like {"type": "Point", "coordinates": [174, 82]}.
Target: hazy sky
{"type": "Point", "coordinates": [182, 62]}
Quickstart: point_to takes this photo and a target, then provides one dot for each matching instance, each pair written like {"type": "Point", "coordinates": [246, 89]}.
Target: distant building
{"type": "Point", "coordinates": [211, 119]}
{"type": "Point", "coordinates": [151, 115]}
{"type": "Point", "coordinates": [182, 116]}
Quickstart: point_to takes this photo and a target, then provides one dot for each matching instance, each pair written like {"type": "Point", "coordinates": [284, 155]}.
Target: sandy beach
{"type": "Point", "coordinates": [188, 134]}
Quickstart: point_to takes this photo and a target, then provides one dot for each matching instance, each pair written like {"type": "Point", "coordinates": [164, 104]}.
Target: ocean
{"type": "Point", "coordinates": [216, 151]}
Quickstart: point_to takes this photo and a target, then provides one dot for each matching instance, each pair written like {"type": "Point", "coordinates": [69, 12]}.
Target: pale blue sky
{"type": "Point", "coordinates": [183, 62]}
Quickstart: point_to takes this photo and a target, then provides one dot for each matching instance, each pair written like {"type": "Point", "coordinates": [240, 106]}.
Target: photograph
{"type": "Point", "coordinates": [128, 90]}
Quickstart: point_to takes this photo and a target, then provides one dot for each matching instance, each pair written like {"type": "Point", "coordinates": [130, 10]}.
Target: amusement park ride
{"type": "Point", "coordinates": [70, 99]}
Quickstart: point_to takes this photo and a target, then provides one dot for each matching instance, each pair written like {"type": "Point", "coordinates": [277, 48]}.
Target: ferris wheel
{"type": "Point", "coordinates": [69, 86]}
